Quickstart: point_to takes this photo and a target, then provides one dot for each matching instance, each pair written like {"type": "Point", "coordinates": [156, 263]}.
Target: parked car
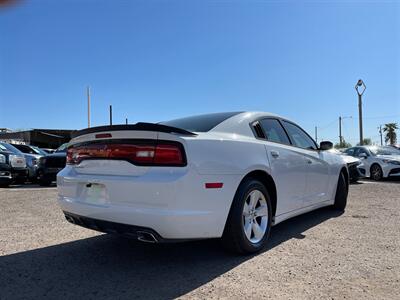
{"type": "Point", "coordinates": [354, 165]}
{"type": "Point", "coordinates": [48, 150]}
{"type": "Point", "coordinates": [32, 155]}
{"type": "Point", "coordinates": [378, 162]}
{"type": "Point", "coordinates": [12, 165]}
{"type": "Point", "coordinates": [50, 165]}
{"type": "Point", "coordinates": [223, 175]}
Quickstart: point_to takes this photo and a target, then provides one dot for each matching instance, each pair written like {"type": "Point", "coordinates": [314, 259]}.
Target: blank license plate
{"type": "Point", "coordinates": [95, 194]}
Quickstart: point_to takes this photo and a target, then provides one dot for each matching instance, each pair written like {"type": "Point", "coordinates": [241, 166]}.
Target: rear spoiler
{"type": "Point", "coordinates": [141, 126]}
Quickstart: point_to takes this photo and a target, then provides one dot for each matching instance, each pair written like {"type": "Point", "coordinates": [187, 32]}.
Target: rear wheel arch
{"type": "Point", "coordinates": [269, 183]}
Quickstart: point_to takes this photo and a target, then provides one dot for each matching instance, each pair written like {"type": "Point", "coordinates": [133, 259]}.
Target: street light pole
{"type": "Point", "coordinates": [316, 134]}
{"type": "Point", "coordinates": [110, 114]}
{"type": "Point", "coordinates": [380, 133]}
{"type": "Point", "coordinates": [360, 88]}
{"type": "Point", "coordinates": [340, 132]}
{"type": "Point", "coordinates": [88, 105]}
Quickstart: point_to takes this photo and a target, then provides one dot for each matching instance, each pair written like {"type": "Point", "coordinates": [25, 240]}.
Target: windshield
{"type": "Point", "coordinates": [38, 150]}
{"type": "Point", "coordinates": [383, 151]}
{"type": "Point", "coordinates": [9, 148]}
{"type": "Point", "coordinates": [62, 148]}
{"type": "Point", "coordinates": [201, 123]}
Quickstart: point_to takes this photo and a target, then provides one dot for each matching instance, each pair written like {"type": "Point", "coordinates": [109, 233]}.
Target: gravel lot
{"type": "Point", "coordinates": [321, 255]}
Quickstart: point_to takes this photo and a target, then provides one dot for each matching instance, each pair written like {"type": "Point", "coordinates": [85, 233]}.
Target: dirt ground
{"type": "Point", "coordinates": [320, 255]}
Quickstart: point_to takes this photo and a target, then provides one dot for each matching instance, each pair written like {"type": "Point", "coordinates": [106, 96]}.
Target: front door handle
{"type": "Point", "coordinates": [275, 154]}
{"type": "Point", "coordinates": [309, 161]}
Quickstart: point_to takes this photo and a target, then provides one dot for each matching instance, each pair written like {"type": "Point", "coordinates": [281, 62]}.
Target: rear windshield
{"type": "Point", "coordinates": [202, 123]}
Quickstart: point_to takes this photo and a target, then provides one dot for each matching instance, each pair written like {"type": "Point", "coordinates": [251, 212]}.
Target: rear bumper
{"type": "Point", "coordinates": [132, 231]}
{"type": "Point", "coordinates": [354, 172]}
{"type": "Point", "coordinates": [173, 204]}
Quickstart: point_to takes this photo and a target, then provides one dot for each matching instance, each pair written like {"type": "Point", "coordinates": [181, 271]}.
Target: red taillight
{"type": "Point", "coordinates": [161, 154]}
{"type": "Point", "coordinates": [168, 155]}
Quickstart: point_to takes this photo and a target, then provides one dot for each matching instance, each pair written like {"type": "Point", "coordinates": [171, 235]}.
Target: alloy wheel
{"type": "Point", "coordinates": [376, 172]}
{"type": "Point", "coordinates": [255, 216]}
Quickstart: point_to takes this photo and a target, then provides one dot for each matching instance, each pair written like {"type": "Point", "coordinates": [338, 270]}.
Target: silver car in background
{"type": "Point", "coordinates": [32, 155]}
{"type": "Point", "coordinates": [378, 161]}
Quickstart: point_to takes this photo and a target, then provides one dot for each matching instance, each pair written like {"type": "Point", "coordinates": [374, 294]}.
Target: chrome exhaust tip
{"type": "Point", "coordinates": [146, 237]}
{"type": "Point", "coordinates": [70, 219]}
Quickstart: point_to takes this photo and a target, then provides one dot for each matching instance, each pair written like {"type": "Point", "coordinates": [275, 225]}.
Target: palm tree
{"type": "Point", "coordinates": [390, 129]}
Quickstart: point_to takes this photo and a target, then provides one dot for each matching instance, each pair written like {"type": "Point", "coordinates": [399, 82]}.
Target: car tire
{"type": "Point", "coordinates": [342, 191]}
{"type": "Point", "coordinates": [250, 219]}
{"type": "Point", "coordinates": [376, 172]}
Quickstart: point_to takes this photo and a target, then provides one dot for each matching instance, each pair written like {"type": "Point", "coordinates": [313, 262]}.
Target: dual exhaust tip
{"type": "Point", "coordinates": [146, 237]}
{"type": "Point", "coordinates": [141, 235]}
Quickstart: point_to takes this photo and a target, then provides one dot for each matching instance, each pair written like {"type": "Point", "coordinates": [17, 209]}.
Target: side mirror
{"type": "Point", "coordinates": [362, 155]}
{"type": "Point", "coordinates": [325, 145]}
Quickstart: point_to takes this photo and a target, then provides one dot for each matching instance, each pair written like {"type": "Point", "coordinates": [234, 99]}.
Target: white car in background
{"type": "Point", "coordinates": [229, 175]}
{"type": "Point", "coordinates": [354, 165]}
{"type": "Point", "coordinates": [378, 162]}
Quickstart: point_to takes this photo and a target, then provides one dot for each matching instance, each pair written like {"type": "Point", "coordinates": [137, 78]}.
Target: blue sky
{"type": "Point", "coordinates": [157, 60]}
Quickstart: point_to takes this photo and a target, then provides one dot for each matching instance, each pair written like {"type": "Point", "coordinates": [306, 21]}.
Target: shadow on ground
{"type": "Point", "coordinates": [109, 267]}
{"type": "Point", "coordinates": [29, 186]}
{"type": "Point", "coordinates": [391, 179]}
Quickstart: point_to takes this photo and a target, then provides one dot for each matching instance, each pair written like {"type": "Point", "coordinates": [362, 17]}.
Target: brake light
{"type": "Point", "coordinates": [160, 154]}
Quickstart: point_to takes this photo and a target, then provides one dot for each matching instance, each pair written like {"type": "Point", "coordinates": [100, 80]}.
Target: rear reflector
{"type": "Point", "coordinates": [103, 135]}
{"type": "Point", "coordinates": [148, 153]}
{"type": "Point", "coordinates": [214, 185]}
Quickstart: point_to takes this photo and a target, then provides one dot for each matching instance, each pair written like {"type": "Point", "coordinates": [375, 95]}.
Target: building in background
{"type": "Point", "coordinates": [44, 138]}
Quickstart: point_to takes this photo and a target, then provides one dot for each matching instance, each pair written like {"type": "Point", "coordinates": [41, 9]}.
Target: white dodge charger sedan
{"type": "Point", "coordinates": [224, 175]}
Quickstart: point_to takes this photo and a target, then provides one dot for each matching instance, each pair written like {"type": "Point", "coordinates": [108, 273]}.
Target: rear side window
{"type": "Point", "coordinates": [202, 123]}
{"type": "Point", "coordinates": [274, 131]}
{"type": "Point", "coordinates": [299, 137]}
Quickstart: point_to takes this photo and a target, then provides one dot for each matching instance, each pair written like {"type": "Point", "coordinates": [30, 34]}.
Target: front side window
{"type": "Point", "coordinates": [359, 151]}
{"type": "Point", "coordinates": [350, 151]}
{"type": "Point", "coordinates": [298, 136]}
{"type": "Point", "coordinates": [274, 131]}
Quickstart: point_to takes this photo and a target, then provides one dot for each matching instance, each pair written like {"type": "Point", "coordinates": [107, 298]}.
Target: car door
{"type": "Point", "coordinates": [287, 166]}
{"type": "Point", "coordinates": [317, 171]}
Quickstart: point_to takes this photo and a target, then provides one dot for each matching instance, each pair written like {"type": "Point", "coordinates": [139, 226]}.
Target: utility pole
{"type": "Point", "coordinates": [341, 140]}
{"type": "Point", "coordinates": [360, 88]}
{"type": "Point", "coordinates": [340, 132]}
{"type": "Point", "coordinates": [316, 134]}
{"type": "Point", "coordinates": [380, 133]}
{"type": "Point", "coordinates": [126, 121]}
{"type": "Point", "coordinates": [110, 115]}
{"type": "Point", "coordinates": [88, 105]}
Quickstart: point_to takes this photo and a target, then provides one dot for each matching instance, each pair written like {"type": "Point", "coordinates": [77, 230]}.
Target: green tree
{"type": "Point", "coordinates": [366, 142]}
{"type": "Point", "coordinates": [344, 144]}
{"type": "Point", "coordinates": [390, 130]}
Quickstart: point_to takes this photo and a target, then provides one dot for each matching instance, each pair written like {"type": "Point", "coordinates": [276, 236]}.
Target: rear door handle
{"type": "Point", "coordinates": [309, 161]}
{"type": "Point", "coordinates": [275, 154]}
